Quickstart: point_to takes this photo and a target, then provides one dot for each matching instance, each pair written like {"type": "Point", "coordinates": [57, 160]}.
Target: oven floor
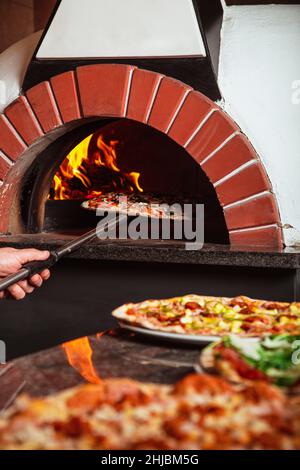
{"type": "Point", "coordinates": [81, 294]}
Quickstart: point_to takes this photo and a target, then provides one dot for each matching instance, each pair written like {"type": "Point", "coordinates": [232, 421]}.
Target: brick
{"type": "Point", "coordinates": [261, 210]}
{"type": "Point", "coordinates": [266, 236]}
{"type": "Point", "coordinates": [143, 87]}
{"type": "Point", "coordinates": [168, 98]}
{"type": "Point", "coordinates": [235, 153]}
{"type": "Point", "coordinates": [190, 116]}
{"type": "Point", "coordinates": [65, 92]}
{"type": "Point", "coordinates": [213, 133]}
{"type": "Point", "coordinates": [249, 181]}
{"type": "Point", "coordinates": [4, 167]}
{"type": "Point", "coordinates": [22, 117]}
{"type": "Point", "coordinates": [10, 142]}
{"type": "Point", "coordinates": [103, 89]}
{"type": "Point", "coordinates": [43, 103]}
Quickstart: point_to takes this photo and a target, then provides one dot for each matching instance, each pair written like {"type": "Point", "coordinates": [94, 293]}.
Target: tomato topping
{"type": "Point", "coordinates": [273, 306]}
{"type": "Point", "coordinates": [240, 301]}
{"type": "Point", "coordinates": [202, 383]}
{"type": "Point", "coordinates": [257, 318]}
{"type": "Point", "coordinates": [75, 427]}
{"type": "Point", "coordinates": [131, 311]}
{"type": "Point", "coordinates": [240, 365]}
{"type": "Point", "coordinates": [246, 326]}
{"type": "Point", "coordinates": [193, 306]}
{"type": "Point", "coordinates": [256, 328]}
{"type": "Point", "coordinates": [246, 310]}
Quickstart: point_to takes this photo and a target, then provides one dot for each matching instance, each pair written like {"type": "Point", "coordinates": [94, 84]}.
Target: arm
{"type": "Point", "coordinates": [11, 260]}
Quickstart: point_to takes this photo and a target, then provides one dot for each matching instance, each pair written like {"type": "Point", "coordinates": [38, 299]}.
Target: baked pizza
{"type": "Point", "coordinates": [199, 412]}
{"type": "Point", "coordinates": [273, 359]}
{"type": "Point", "coordinates": [213, 316]}
{"type": "Point", "coordinates": [137, 204]}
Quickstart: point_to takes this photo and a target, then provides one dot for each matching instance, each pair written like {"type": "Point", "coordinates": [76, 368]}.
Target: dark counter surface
{"type": "Point", "coordinates": [164, 251]}
{"type": "Point", "coordinates": [115, 354]}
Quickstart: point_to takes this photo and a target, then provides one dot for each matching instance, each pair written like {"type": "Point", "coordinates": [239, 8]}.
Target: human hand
{"type": "Point", "coordinates": [12, 260]}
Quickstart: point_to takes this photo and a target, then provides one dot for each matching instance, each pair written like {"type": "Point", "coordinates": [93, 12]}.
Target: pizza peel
{"type": "Point", "coordinates": [139, 206]}
{"type": "Point", "coordinates": [35, 267]}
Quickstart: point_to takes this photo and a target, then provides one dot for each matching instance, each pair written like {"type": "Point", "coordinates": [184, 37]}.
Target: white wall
{"type": "Point", "coordinates": [259, 63]}
{"type": "Point", "coordinates": [13, 65]}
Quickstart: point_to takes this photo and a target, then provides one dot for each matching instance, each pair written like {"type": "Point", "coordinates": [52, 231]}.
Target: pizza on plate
{"type": "Point", "coordinates": [199, 412]}
{"type": "Point", "coordinates": [273, 359]}
{"type": "Point", "coordinates": [141, 204]}
{"type": "Point", "coordinates": [213, 316]}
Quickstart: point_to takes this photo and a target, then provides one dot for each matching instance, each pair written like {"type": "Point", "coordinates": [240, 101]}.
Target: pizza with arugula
{"type": "Point", "coordinates": [273, 359]}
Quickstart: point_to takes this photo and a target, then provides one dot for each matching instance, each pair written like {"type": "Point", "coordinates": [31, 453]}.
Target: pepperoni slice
{"type": "Point", "coordinates": [257, 318]}
{"type": "Point", "coordinates": [273, 306]}
{"type": "Point", "coordinates": [246, 310]}
{"type": "Point", "coordinates": [240, 301]}
{"type": "Point", "coordinates": [246, 326]}
{"type": "Point", "coordinates": [195, 307]}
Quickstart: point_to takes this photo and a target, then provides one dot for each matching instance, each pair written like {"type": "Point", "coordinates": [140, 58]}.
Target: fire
{"type": "Point", "coordinates": [79, 354]}
{"type": "Point", "coordinates": [85, 174]}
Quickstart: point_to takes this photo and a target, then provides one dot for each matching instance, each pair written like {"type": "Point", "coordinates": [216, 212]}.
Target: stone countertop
{"type": "Point", "coordinates": [163, 252]}
{"type": "Point", "coordinates": [115, 354]}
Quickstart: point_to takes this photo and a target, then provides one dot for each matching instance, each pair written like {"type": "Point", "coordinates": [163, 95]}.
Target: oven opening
{"type": "Point", "coordinates": [113, 156]}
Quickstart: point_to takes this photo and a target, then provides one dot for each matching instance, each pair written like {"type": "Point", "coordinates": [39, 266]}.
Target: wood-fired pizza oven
{"type": "Point", "coordinates": [148, 91]}
{"type": "Point", "coordinates": [177, 138]}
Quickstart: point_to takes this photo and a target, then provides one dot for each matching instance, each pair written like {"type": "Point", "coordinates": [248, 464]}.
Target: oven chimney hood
{"type": "Point", "coordinates": [165, 36]}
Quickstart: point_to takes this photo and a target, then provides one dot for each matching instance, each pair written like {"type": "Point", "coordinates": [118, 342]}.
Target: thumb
{"type": "Point", "coordinates": [31, 254]}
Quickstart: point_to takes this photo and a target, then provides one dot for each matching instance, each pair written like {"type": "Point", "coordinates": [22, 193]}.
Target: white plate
{"type": "Point", "coordinates": [199, 340]}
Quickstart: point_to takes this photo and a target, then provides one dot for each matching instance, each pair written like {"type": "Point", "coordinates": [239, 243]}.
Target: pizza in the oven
{"type": "Point", "coordinates": [137, 204]}
{"type": "Point", "coordinates": [213, 316]}
{"type": "Point", "coordinates": [273, 359]}
{"type": "Point", "coordinates": [199, 412]}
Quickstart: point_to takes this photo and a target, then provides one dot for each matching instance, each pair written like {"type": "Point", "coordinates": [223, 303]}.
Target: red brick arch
{"type": "Point", "coordinates": [195, 122]}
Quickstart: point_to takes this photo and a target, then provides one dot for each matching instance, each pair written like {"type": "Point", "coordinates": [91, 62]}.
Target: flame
{"type": "Point", "coordinates": [79, 174]}
{"type": "Point", "coordinates": [134, 178]}
{"type": "Point", "coordinates": [79, 354]}
{"type": "Point", "coordinates": [109, 156]}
